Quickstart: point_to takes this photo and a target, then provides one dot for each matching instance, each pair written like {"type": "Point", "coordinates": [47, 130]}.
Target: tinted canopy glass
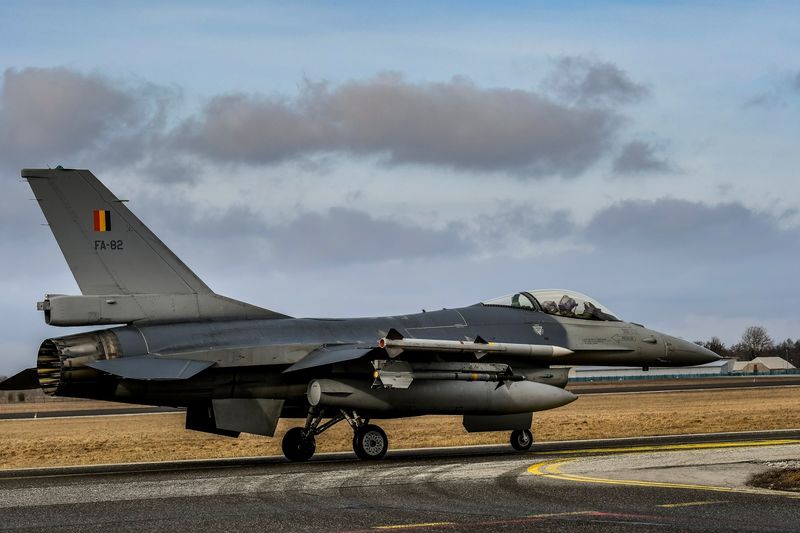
{"type": "Point", "coordinates": [557, 302]}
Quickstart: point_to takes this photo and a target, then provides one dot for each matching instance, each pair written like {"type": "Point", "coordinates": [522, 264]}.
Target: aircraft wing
{"type": "Point", "coordinates": [151, 368]}
{"type": "Point", "coordinates": [328, 355]}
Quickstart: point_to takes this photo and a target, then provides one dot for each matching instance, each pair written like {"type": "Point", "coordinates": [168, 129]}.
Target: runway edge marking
{"type": "Point", "coordinates": [691, 504]}
{"type": "Point", "coordinates": [671, 447]}
{"type": "Point", "coordinates": [552, 468]}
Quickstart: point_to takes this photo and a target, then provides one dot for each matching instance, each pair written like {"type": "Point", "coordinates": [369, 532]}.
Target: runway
{"type": "Point", "coordinates": [666, 483]}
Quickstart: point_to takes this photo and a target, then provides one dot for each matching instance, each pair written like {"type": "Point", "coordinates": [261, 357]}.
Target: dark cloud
{"type": "Point", "coordinates": [586, 81]}
{"type": "Point", "coordinates": [454, 124]}
{"type": "Point", "coordinates": [689, 230]}
{"type": "Point", "coordinates": [640, 157]}
{"type": "Point", "coordinates": [343, 235]}
{"type": "Point", "coordinates": [53, 115]}
{"type": "Point", "coordinates": [521, 222]}
{"type": "Point", "coordinates": [60, 116]}
{"type": "Point", "coordinates": [337, 236]}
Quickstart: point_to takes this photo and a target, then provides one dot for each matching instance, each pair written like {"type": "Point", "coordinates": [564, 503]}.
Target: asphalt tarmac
{"type": "Point", "coordinates": [686, 483]}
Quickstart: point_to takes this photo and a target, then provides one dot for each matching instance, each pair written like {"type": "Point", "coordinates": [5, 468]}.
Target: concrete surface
{"type": "Point", "coordinates": [621, 485]}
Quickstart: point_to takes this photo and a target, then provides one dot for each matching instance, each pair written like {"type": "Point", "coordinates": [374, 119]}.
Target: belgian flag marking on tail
{"type": "Point", "coordinates": [102, 220]}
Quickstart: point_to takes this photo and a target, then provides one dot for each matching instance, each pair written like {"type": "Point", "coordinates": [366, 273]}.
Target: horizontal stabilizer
{"type": "Point", "coordinates": [328, 355]}
{"type": "Point", "coordinates": [27, 379]}
{"type": "Point", "coordinates": [151, 368]}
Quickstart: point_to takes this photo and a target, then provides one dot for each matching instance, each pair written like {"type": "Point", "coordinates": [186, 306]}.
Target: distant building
{"type": "Point", "coordinates": [608, 373]}
{"type": "Point", "coordinates": [762, 364]}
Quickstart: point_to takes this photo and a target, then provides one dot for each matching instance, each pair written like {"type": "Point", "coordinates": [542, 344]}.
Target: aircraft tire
{"type": "Point", "coordinates": [521, 439]}
{"type": "Point", "coordinates": [296, 447]}
{"type": "Point", "coordinates": [370, 442]}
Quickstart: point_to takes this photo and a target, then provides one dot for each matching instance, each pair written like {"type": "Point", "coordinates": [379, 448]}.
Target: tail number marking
{"type": "Point", "coordinates": [109, 245]}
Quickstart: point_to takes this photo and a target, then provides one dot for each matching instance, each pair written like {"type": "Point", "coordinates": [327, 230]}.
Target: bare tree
{"type": "Point", "coordinates": [755, 340]}
{"type": "Point", "coordinates": [716, 345]}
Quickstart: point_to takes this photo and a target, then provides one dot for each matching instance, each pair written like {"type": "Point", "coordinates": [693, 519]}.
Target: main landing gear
{"type": "Point", "coordinates": [369, 440]}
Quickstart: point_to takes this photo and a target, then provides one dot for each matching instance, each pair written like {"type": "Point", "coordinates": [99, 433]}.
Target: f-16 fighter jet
{"type": "Point", "coordinates": [238, 368]}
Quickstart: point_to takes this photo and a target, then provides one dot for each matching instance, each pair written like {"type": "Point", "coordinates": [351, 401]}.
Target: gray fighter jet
{"type": "Point", "coordinates": [239, 368]}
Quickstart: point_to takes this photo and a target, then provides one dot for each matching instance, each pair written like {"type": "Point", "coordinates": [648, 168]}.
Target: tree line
{"type": "Point", "coordinates": [756, 342]}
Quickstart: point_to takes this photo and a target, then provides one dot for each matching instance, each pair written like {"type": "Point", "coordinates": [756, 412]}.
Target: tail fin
{"type": "Point", "coordinates": [110, 252]}
{"type": "Point", "coordinates": [107, 248]}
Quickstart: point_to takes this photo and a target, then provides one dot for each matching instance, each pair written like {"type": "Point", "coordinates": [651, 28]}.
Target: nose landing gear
{"type": "Point", "coordinates": [521, 439]}
{"type": "Point", "coordinates": [369, 440]}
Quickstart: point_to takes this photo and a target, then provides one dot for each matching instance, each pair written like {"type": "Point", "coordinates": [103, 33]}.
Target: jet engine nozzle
{"type": "Point", "coordinates": [63, 361]}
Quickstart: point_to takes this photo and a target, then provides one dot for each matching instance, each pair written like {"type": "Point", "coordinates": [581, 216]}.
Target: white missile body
{"type": "Point", "coordinates": [395, 347]}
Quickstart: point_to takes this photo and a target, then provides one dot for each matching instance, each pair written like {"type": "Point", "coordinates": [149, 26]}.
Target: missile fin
{"type": "Point", "coordinates": [394, 335]}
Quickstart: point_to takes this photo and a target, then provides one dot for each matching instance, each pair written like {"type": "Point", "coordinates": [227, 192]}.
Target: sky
{"type": "Point", "coordinates": [354, 159]}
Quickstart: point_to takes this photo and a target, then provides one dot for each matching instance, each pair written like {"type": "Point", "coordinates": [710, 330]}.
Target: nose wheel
{"type": "Point", "coordinates": [521, 439]}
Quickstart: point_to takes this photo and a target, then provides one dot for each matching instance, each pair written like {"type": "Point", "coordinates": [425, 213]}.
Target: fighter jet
{"type": "Point", "coordinates": [238, 368]}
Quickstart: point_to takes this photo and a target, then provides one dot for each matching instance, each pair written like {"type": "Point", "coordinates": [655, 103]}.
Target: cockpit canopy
{"type": "Point", "coordinates": [557, 302]}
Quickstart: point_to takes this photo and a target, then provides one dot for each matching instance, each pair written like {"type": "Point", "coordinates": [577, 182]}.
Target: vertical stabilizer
{"type": "Point", "coordinates": [107, 248]}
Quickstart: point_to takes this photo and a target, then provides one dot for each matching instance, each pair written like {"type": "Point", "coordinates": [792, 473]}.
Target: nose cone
{"type": "Point", "coordinates": [687, 353]}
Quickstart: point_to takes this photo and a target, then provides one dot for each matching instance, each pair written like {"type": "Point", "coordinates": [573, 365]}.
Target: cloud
{"type": "Point", "coordinates": [639, 157]}
{"type": "Point", "coordinates": [58, 115]}
{"type": "Point", "coordinates": [454, 124]}
{"type": "Point", "coordinates": [586, 81]}
{"type": "Point", "coordinates": [336, 236]}
{"type": "Point", "coordinates": [687, 229]}
{"type": "Point", "coordinates": [52, 115]}
{"type": "Point", "coordinates": [786, 86]}
{"type": "Point", "coordinates": [343, 235]}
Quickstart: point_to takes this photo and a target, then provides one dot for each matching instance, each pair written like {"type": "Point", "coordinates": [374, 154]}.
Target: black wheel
{"type": "Point", "coordinates": [370, 442]}
{"type": "Point", "coordinates": [297, 447]}
{"type": "Point", "coordinates": [521, 439]}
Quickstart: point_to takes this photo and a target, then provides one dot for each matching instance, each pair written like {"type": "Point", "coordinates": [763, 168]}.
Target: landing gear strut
{"type": "Point", "coordinates": [521, 439]}
{"type": "Point", "coordinates": [369, 440]}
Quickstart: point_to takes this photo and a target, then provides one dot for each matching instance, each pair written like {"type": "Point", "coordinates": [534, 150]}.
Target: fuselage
{"type": "Point", "coordinates": [593, 342]}
{"type": "Point", "coordinates": [250, 356]}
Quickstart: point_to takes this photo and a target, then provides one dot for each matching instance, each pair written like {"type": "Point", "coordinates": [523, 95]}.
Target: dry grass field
{"type": "Point", "coordinates": [113, 439]}
{"type": "Point", "coordinates": [59, 404]}
{"type": "Point", "coordinates": [778, 479]}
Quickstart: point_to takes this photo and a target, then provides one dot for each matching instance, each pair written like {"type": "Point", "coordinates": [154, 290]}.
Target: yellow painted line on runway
{"type": "Point", "coordinates": [413, 526]}
{"type": "Point", "coordinates": [673, 447]}
{"type": "Point", "coordinates": [485, 523]}
{"type": "Point", "coordinates": [552, 468]}
{"type": "Point", "coordinates": [690, 504]}
{"type": "Point", "coordinates": [557, 515]}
